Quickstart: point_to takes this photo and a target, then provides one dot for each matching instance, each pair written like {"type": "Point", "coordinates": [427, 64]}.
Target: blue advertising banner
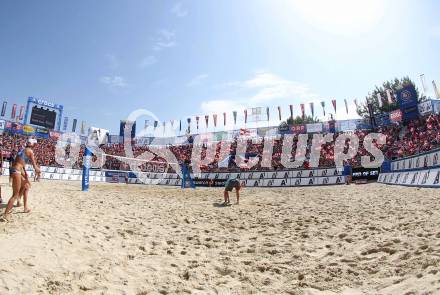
{"type": "Point", "coordinates": [16, 128]}
{"type": "Point", "coordinates": [42, 132]}
{"type": "Point", "coordinates": [363, 125]}
{"type": "Point", "coordinates": [436, 106]}
{"type": "Point", "coordinates": [383, 119]}
{"type": "Point", "coordinates": [407, 100]}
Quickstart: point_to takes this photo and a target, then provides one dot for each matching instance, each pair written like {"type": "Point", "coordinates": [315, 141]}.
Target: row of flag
{"type": "Point", "coordinates": [14, 115]}
{"type": "Point", "coordinates": [74, 125]}
{"type": "Point", "coordinates": [215, 118]}
{"type": "Point", "coordinates": [389, 99]}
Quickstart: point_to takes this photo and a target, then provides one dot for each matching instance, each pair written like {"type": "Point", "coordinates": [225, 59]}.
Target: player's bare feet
{"type": "Point", "coordinates": [6, 217]}
{"type": "Point", "coordinates": [27, 210]}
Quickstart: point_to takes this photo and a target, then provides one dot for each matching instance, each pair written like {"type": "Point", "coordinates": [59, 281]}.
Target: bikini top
{"type": "Point", "coordinates": [23, 155]}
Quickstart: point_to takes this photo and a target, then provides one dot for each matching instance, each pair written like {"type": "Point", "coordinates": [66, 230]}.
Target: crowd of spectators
{"type": "Point", "coordinates": [44, 151]}
{"type": "Point", "coordinates": [417, 136]}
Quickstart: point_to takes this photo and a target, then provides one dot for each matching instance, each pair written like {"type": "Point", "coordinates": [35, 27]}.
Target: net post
{"type": "Point", "coordinates": [86, 169]}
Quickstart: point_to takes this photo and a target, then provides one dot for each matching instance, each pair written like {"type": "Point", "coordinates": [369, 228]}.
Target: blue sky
{"type": "Point", "coordinates": [105, 59]}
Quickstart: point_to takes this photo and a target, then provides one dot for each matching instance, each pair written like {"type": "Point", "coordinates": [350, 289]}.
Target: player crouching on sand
{"type": "Point", "coordinates": [229, 185]}
{"type": "Point", "coordinates": [20, 180]}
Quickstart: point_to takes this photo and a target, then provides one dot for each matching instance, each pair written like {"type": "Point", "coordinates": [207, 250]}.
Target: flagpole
{"type": "Point", "coordinates": [422, 80]}
{"type": "Point", "coordinates": [437, 93]}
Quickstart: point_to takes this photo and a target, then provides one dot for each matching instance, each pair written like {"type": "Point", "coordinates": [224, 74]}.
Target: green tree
{"type": "Point", "coordinates": [300, 120]}
{"type": "Point", "coordinates": [393, 85]}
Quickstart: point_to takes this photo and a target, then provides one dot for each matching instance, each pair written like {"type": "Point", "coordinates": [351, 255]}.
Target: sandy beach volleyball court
{"type": "Point", "coordinates": [118, 239]}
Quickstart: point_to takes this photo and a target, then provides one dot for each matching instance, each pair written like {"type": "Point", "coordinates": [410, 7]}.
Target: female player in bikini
{"type": "Point", "coordinates": [20, 180]}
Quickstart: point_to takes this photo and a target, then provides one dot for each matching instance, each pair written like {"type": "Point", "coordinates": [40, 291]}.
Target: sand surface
{"type": "Point", "coordinates": [118, 239]}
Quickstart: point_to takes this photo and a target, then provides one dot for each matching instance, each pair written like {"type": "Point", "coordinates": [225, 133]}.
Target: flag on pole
{"type": "Point", "coordinates": [197, 122]}
{"type": "Point", "coordinates": [155, 124]}
{"type": "Point", "coordinates": [346, 105]}
{"type": "Point", "coordinates": [164, 124]}
{"type": "Point", "coordinates": [437, 93]}
{"type": "Point", "coordinates": [224, 119]}
{"type": "Point", "coordinates": [312, 109]}
{"type": "Point", "coordinates": [180, 125]}
{"type": "Point", "coordinates": [83, 127]}
{"type": "Point", "coordinates": [389, 96]}
{"type": "Point", "coordinates": [323, 107]}
{"type": "Point", "coordinates": [245, 116]}
{"type": "Point", "coordinates": [21, 114]}
{"type": "Point", "coordinates": [356, 103]}
{"type": "Point", "coordinates": [215, 120]}
{"type": "Point", "coordinates": [379, 99]}
{"type": "Point", "coordinates": [75, 121]}
{"type": "Point", "coordinates": [422, 80]}
{"type": "Point", "coordinates": [172, 123]}
{"type": "Point", "coordinates": [291, 111]}
{"type": "Point", "coordinates": [188, 120]}
{"type": "Point", "coordinates": [234, 113]}
{"type": "Point", "coordinates": [279, 112]}
{"type": "Point", "coordinates": [302, 110]}
{"type": "Point", "coordinates": [268, 113]}
{"type": "Point", "coordinates": [66, 122]}
{"type": "Point", "coordinates": [206, 120]}
{"type": "Point", "coordinates": [334, 104]}
{"type": "Point", "coordinates": [14, 110]}
{"type": "Point", "coordinates": [5, 104]}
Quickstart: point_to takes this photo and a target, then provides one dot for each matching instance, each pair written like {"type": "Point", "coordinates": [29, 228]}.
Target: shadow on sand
{"type": "Point", "coordinates": [221, 205]}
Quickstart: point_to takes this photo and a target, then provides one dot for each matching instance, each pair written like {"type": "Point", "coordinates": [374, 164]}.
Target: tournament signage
{"type": "Point", "coordinates": [420, 178]}
{"type": "Point", "coordinates": [382, 119]}
{"type": "Point", "coordinates": [42, 102]}
{"type": "Point", "coordinates": [396, 116]}
{"type": "Point", "coordinates": [297, 129]}
{"type": "Point", "coordinates": [425, 108]}
{"type": "Point", "coordinates": [41, 132]}
{"type": "Point", "coordinates": [346, 125]}
{"type": "Point", "coordinates": [140, 141]}
{"type": "Point", "coordinates": [209, 182]}
{"type": "Point", "coordinates": [314, 128]}
{"type": "Point", "coordinates": [16, 128]}
{"type": "Point", "coordinates": [429, 159]}
{"type": "Point", "coordinates": [435, 106]}
{"type": "Point", "coordinates": [267, 131]}
{"type": "Point", "coordinates": [362, 173]}
{"type": "Point", "coordinates": [28, 130]}
{"type": "Point", "coordinates": [283, 128]}
{"type": "Point", "coordinates": [114, 139]}
{"type": "Point", "coordinates": [407, 100]}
